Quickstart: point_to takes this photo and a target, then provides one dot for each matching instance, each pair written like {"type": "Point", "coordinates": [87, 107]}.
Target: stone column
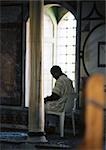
{"type": "Point", "coordinates": [36, 103]}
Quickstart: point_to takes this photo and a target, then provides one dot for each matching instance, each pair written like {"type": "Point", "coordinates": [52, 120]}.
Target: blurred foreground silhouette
{"type": "Point", "coordinates": [95, 95]}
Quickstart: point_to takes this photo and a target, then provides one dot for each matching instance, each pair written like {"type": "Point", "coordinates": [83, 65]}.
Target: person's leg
{"type": "Point", "coordinates": [51, 120]}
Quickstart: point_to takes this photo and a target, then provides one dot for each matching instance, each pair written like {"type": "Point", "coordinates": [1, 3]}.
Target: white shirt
{"type": "Point", "coordinates": [64, 88]}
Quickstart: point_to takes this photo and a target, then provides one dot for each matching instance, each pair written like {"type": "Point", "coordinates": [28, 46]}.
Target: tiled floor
{"type": "Point", "coordinates": [14, 141]}
{"type": "Point", "coordinates": [54, 142]}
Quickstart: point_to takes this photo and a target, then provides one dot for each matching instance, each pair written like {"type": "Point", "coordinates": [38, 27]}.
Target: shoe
{"type": "Point", "coordinates": [50, 130]}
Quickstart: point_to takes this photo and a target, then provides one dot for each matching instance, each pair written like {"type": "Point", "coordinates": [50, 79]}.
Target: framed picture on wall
{"type": "Point", "coordinates": [102, 54]}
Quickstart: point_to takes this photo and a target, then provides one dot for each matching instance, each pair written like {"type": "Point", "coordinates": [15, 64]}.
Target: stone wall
{"type": "Point", "coordinates": [92, 39]}
{"type": "Point", "coordinates": [12, 65]}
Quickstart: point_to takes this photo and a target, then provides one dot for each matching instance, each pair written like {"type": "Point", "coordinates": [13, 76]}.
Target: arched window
{"type": "Point", "coordinates": [65, 52]}
{"type": "Point", "coordinates": [66, 45]}
{"type": "Point", "coordinates": [59, 49]}
{"type": "Point", "coordinates": [47, 57]}
{"type": "Point", "coordinates": [47, 54]}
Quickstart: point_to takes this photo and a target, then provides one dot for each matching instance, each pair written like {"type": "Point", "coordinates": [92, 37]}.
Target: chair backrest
{"type": "Point", "coordinates": [71, 103]}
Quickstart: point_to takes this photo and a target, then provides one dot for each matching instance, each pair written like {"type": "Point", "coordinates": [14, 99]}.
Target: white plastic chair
{"type": "Point", "coordinates": [69, 109]}
{"type": "Point", "coordinates": [74, 111]}
{"type": "Point", "coordinates": [61, 117]}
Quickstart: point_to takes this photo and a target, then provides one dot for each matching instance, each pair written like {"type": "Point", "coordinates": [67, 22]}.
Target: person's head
{"type": "Point", "coordinates": [56, 72]}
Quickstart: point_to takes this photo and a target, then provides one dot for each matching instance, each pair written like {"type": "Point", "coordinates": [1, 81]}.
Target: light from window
{"type": "Point", "coordinates": [48, 52]}
{"type": "Point", "coordinates": [27, 66]}
{"type": "Point", "coordinates": [66, 45]}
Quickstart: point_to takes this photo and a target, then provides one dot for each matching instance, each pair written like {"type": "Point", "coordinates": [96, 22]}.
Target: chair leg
{"type": "Point", "coordinates": [62, 125]}
{"type": "Point", "coordinates": [73, 123]}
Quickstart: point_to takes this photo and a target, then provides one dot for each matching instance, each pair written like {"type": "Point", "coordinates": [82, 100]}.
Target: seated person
{"type": "Point", "coordinates": [60, 93]}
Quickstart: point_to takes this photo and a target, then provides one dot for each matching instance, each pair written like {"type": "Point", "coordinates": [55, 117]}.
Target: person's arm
{"type": "Point", "coordinates": [53, 97]}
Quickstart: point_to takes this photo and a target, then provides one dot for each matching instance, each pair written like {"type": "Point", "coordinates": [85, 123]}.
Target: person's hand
{"type": "Point", "coordinates": [46, 99]}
